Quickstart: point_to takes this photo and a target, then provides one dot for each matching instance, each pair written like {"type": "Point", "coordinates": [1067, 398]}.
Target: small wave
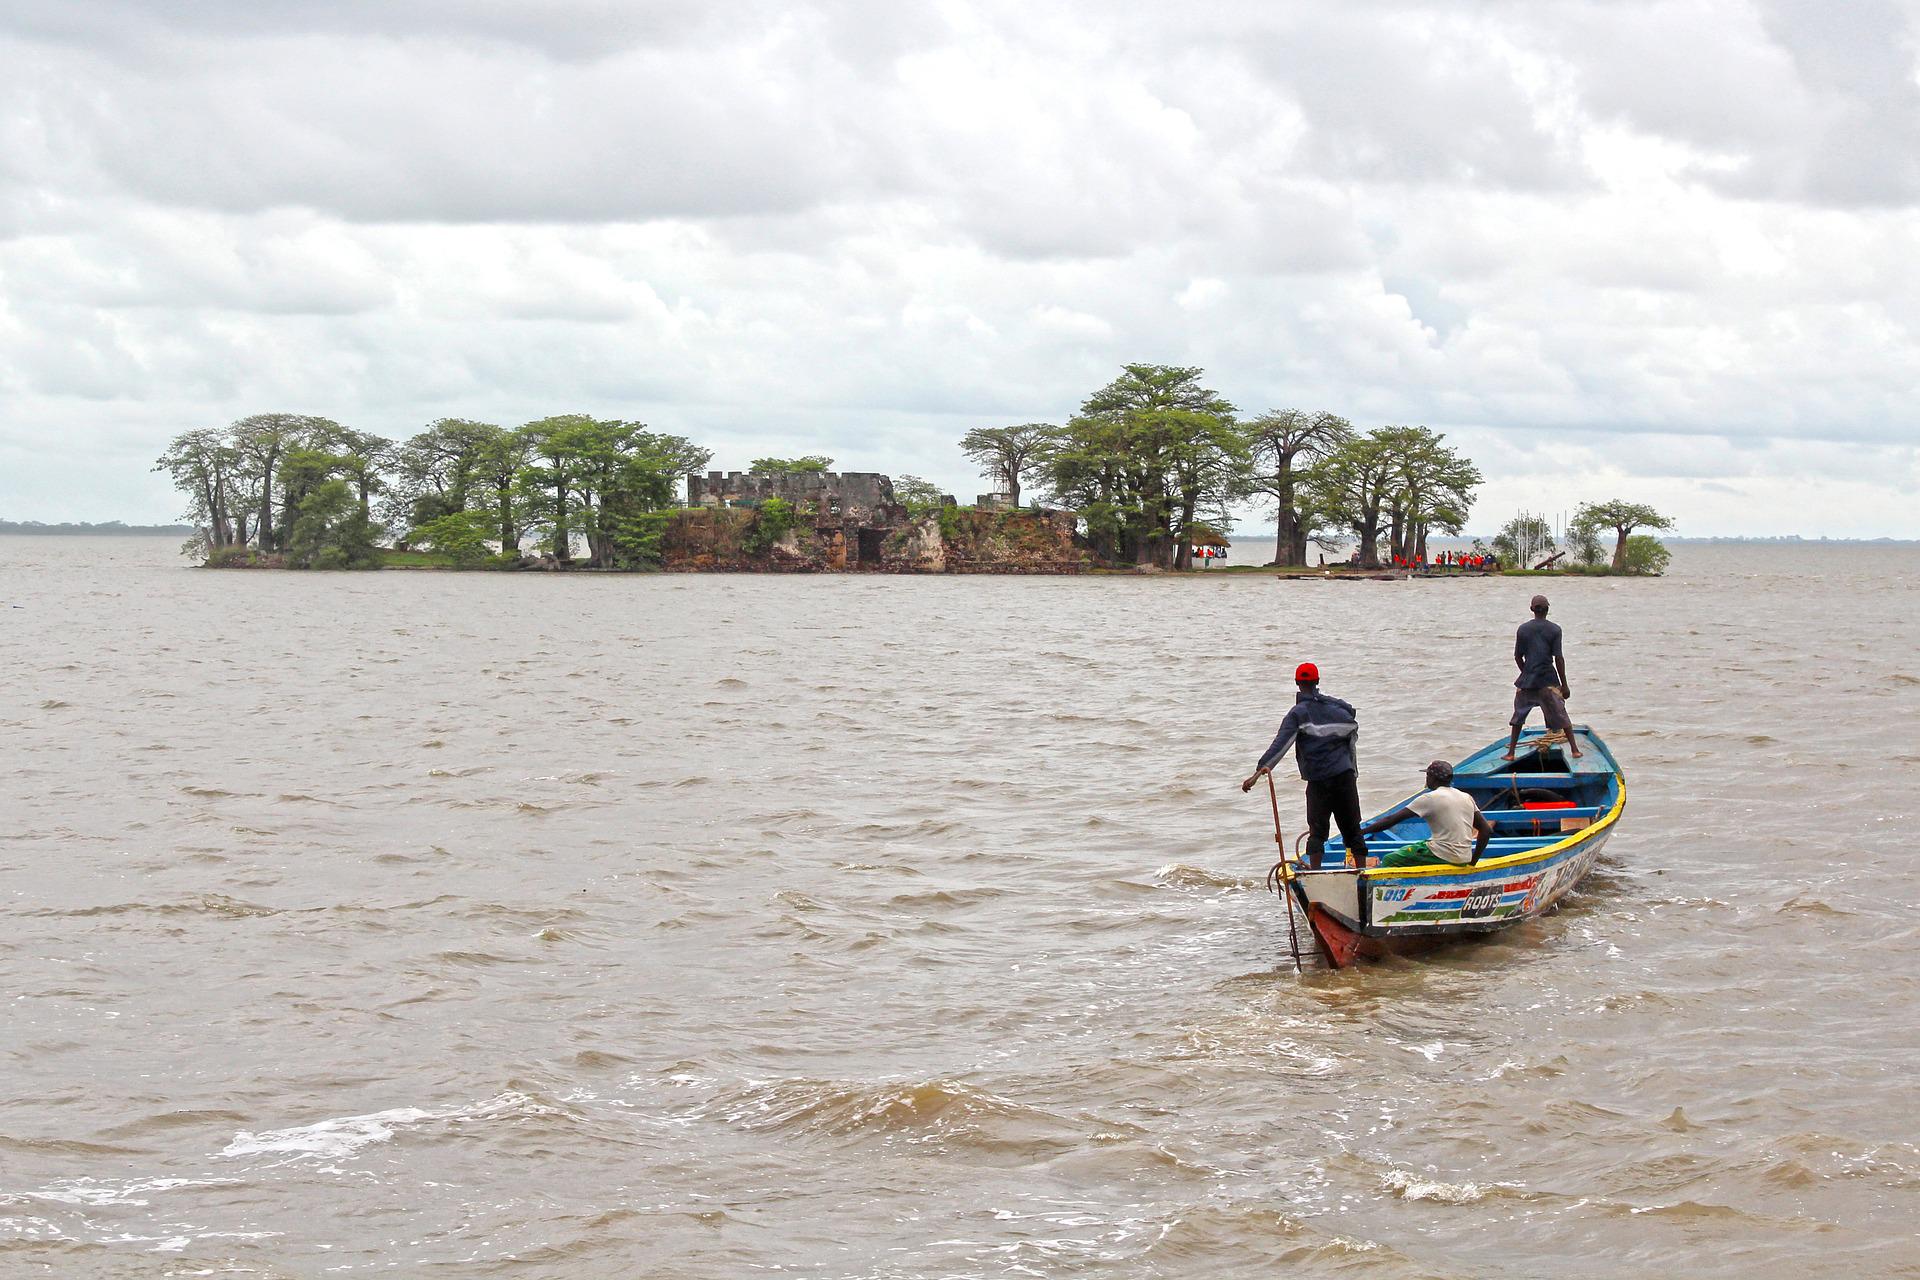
{"type": "Point", "coordinates": [1789, 1175]}
{"type": "Point", "coordinates": [1810, 906]}
{"type": "Point", "coordinates": [1700, 1211]}
{"type": "Point", "coordinates": [1179, 875]}
{"type": "Point", "coordinates": [1678, 1122]}
{"type": "Point", "coordinates": [165, 1120]}
{"type": "Point", "coordinates": [1898, 677]}
{"type": "Point", "coordinates": [215, 904]}
{"type": "Point", "coordinates": [599, 1058]}
{"type": "Point", "coordinates": [54, 704]}
{"type": "Point", "coordinates": [925, 829]}
{"type": "Point", "coordinates": [1412, 1186]}
{"type": "Point", "coordinates": [948, 897]}
{"type": "Point", "coordinates": [94, 1192]}
{"type": "Point", "coordinates": [929, 1111]}
{"type": "Point", "coordinates": [474, 959]}
{"type": "Point", "coordinates": [62, 1146]}
{"type": "Point", "coordinates": [326, 1139]}
{"type": "Point", "coordinates": [342, 1136]}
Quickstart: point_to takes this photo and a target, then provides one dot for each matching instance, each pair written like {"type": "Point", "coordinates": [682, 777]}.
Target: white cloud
{"type": "Point", "coordinates": [1665, 246]}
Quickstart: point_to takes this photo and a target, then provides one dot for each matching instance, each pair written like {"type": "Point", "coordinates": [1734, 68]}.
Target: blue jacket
{"type": "Point", "coordinates": [1325, 729]}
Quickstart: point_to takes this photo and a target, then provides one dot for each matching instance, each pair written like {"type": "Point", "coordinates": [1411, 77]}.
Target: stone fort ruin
{"type": "Point", "coordinates": [852, 512]}
{"type": "Point", "coordinates": [852, 521]}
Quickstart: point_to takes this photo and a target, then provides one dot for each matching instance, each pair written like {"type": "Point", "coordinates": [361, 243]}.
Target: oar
{"type": "Point", "coordinates": [1286, 876]}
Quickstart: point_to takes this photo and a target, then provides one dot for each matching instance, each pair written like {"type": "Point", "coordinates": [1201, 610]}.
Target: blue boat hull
{"type": "Point", "coordinates": [1537, 857]}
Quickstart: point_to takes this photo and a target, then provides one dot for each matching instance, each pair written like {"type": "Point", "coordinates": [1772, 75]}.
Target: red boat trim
{"type": "Point", "coordinates": [1341, 944]}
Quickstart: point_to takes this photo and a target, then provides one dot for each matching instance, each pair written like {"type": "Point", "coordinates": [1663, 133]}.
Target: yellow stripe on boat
{"type": "Point", "coordinates": [1512, 859]}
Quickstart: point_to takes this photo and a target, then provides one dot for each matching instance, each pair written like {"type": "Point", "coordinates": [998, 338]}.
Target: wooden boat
{"type": "Point", "coordinates": [1551, 816]}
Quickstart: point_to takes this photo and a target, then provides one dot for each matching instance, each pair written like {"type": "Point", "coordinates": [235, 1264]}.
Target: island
{"type": "Point", "coordinates": [1144, 477]}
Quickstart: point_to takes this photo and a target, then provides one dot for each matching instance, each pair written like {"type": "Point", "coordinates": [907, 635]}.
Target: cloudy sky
{"type": "Point", "coordinates": [1666, 249]}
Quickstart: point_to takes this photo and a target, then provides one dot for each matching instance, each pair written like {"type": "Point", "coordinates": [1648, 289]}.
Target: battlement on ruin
{"type": "Point", "coordinates": [847, 493]}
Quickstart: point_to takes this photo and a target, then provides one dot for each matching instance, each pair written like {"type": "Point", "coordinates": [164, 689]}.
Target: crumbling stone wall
{"type": "Point", "coordinates": [1011, 542]}
{"type": "Point", "coordinates": [715, 539]}
{"type": "Point", "coordinates": [865, 497]}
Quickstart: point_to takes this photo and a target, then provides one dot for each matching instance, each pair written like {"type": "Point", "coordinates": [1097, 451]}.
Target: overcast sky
{"type": "Point", "coordinates": [1669, 251]}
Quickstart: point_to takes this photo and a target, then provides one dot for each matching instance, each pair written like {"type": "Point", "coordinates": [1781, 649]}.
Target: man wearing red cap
{"type": "Point", "coordinates": [1325, 730]}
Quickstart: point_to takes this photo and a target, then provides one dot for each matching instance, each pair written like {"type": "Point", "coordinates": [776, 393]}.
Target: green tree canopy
{"type": "Point", "coordinates": [261, 441]}
{"type": "Point", "coordinates": [919, 497]}
{"type": "Point", "coordinates": [1284, 444]}
{"type": "Point", "coordinates": [203, 464]}
{"type": "Point", "coordinates": [1396, 483]}
{"type": "Point", "coordinates": [1646, 554]}
{"type": "Point", "coordinates": [1622, 518]}
{"type": "Point", "coordinates": [1432, 491]}
{"type": "Point", "coordinates": [1147, 456]}
{"type": "Point", "coordinates": [1351, 485]}
{"type": "Point", "coordinates": [438, 470]}
{"type": "Point", "coordinates": [606, 480]}
{"type": "Point", "coordinates": [1007, 455]}
{"type": "Point", "coordinates": [808, 464]}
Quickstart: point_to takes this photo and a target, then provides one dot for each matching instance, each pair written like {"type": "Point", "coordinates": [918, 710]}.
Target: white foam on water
{"type": "Point", "coordinates": [107, 1191]}
{"type": "Point", "coordinates": [1355, 1246]}
{"type": "Point", "coordinates": [1411, 1186]}
{"type": "Point", "coordinates": [332, 1139]}
{"type": "Point", "coordinates": [342, 1136]}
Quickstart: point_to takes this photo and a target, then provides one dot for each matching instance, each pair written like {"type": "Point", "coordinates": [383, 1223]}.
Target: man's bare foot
{"type": "Point", "coordinates": [1507, 756]}
{"type": "Point", "coordinates": [1574, 751]}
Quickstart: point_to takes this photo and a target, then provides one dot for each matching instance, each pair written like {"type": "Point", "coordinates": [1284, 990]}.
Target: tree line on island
{"type": "Point", "coordinates": [320, 495]}
{"type": "Point", "coordinates": [1152, 462]}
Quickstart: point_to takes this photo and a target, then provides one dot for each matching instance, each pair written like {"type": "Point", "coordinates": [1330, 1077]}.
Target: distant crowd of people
{"type": "Point", "coordinates": [1445, 562]}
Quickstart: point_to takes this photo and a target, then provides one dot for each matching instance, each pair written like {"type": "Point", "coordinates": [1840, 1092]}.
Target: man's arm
{"type": "Point", "coordinates": [1386, 821]}
{"type": "Point", "coordinates": [1289, 729]}
{"type": "Point", "coordinates": [1560, 665]}
{"type": "Point", "coordinates": [1519, 651]}
{"type": "Point", "coordinates": [1482, 832]}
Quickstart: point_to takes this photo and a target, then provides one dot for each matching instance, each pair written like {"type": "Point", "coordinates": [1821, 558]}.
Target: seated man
{"type": "Point", "coordinates": [1459, 830]}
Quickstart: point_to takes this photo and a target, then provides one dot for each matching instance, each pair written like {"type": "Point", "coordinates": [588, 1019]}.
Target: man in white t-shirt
{"type": "Point", "coordinates": [1458, 831]}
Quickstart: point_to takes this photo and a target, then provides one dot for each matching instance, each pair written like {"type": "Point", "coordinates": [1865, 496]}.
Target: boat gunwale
{"type": "Point", "coordinates": [1506, 860]}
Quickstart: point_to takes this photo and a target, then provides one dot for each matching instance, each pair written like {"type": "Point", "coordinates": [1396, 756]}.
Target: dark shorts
{"type": "Point", "coordinates": [1551, 705]}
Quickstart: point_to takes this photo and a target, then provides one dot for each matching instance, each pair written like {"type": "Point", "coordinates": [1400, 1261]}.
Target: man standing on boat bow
{"type": "Point", "coordinates": [1542, 681]}
{"type": "Point", "coordinates": [1325, 729]}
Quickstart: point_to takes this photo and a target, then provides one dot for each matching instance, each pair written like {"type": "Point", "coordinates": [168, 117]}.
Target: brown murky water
{"type": "Point", "coordinates": [855, 927]}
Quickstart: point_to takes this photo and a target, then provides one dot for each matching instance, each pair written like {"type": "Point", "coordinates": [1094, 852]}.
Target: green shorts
{"type": "Point", "coordinates": [1416, 854]}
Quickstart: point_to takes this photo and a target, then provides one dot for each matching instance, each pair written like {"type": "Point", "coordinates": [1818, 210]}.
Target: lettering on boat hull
{"type": "Point", "coordinates": [1518, 895]}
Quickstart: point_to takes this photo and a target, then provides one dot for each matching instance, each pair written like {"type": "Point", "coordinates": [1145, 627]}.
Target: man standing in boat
{"type": "Point", "coordinates": [1543, 679]}
{"type": "Point", "coordinates": [1324, 729]}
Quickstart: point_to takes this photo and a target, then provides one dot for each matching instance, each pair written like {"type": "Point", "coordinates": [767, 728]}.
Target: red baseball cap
{"type": "Point", "coordinates": [1307, 673]}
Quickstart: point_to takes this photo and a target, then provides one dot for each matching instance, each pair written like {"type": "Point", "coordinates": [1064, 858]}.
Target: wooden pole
{"type": "Point", "coordinates": [1286, 875]}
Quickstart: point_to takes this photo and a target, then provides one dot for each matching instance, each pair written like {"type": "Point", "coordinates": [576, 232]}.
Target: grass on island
{"type": "Point", "coordinates": [391, 559]}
